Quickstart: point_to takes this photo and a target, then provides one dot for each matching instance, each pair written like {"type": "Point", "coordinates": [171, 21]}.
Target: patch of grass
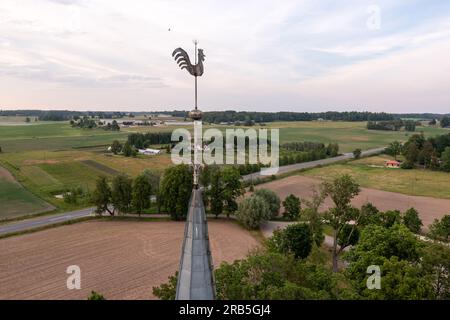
{"type": "Point", "coordinates": [416, 182]}
{"type": "Point", "coordinates": [59, 224]}
{"type": "Point", "coordinates": [15, 200]}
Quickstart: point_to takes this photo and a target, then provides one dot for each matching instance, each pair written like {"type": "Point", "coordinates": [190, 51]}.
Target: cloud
{"type": "Point", "coordinates": [259, 54]}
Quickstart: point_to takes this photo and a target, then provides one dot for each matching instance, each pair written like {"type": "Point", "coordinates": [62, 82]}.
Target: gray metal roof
{"type": "Point", "coordinates": [195, 276]}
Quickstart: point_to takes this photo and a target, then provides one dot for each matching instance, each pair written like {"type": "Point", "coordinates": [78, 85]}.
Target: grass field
{"type": "Point", "coordinates": [349, 135]}
{"type": "Point", "coordinates": [370, 173]}
{"type": "Point", "coordinates": [15, 200]}
{"type": "Point", "coordinates": [48, 158]}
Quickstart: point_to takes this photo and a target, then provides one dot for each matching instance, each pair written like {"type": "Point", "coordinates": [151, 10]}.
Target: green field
{"type": "Point", "coordinates": [370, 173]}
{"type": "Point", "coordinates": [48, 158]}
{"type": "Point", "coordinates": [349, 135]}
{"type": "Point", "coordinates": [15, 200]}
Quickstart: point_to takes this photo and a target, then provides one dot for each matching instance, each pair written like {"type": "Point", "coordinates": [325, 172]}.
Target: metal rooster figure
{"type": "Point", "coordinates": [182, 59]}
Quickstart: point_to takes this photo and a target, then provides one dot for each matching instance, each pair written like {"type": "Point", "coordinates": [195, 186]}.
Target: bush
{"type": "Point", "coordinates": [96, 296]}
{"type": "Point", "coordinates": [272, 200]}
{"type": "Point", "coordinates": [296, 239]}
{"type": "Point", "coordinates": [292, 207]}
{"type": "Point", "coordinates": [252, 212]}
{"type": "Point", "coordinates": [357, 153]}
{"type": "Point", "coordinates": [440, 230]}
{"type": "Point", "coordinates": [412, 221]}
{"type": "Point", "coordinates": [167, 291]}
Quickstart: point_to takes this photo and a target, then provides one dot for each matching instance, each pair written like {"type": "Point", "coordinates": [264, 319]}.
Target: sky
{"type": "Point", "coordinates": [262, 55]}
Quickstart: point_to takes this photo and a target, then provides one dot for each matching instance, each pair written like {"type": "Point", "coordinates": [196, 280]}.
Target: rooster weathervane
{"type": "Point", "coordinates": [182, 59]}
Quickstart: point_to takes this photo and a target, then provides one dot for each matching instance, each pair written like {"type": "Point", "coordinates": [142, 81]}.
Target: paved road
{"type": "Point", "coordinates": [43, 221]}
{"type": "Point", "coordinates": [312, 164]}
{"type": "Point", "coordinates": [54, 219]}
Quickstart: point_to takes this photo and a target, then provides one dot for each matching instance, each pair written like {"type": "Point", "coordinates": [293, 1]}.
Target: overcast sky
{"type": "Point", "coordinates": [261, 55]}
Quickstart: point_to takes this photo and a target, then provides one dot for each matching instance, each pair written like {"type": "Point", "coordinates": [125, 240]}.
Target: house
{"type": "Point", "coordinates": [149, 152]}
{"type": "Point", "coordinates": [392, 164]}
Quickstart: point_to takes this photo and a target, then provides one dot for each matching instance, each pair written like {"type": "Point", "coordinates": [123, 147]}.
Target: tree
{"type": "Point", "coordinates": [167, 291]}
{"type": "Point", "coordinates": [412, 221]}
{"type": "Point", "coordinates": [349, 236]}
{"type": "Point", "coordinates": [411, 153]}
{"type": "Point", "coordinates": [96, 296]}
{"type": "Point", "coordinates": [341, 190]}
{"type": "Point", "coordinates": [445, 160]}
{"type": "Point", "coordinates": [272, 200]}
{"type": "Point", "coordinates": [394, 149]}
{"type": "Point", "coordinates": [426, 153]}
{"type": "Point", "coordinates": [445, 122]}
{"type": "Point", "coordinates": [232, 189]}
{"type": "Point", "coordinates": [175, 190]}
{"type": "Point", "coordinates": [295, 238]}
{"type": "Point", "coordinates": [252, 212]}
{"type": "Point", "coordinates": [274, 276]}
{"type": "Point", "coordinates": [128, 150]}
{"type": "Point", "coordinates": [312, 215]}
{"type": "Point", "coordinates": [369, 215]}
{"type": "Point", "coordinates": [101, 197]}
{"type": "Point", "coordinates": [116, 147]}
{"type": "Point", "coordinates": [142, 191]}
{"type": "Point", "coordinates": [0, 149]}
{"type": "Point", "coordinates": [440, 229]}
{"type": "Point", "coordinates": [436, 263]}
{"type": "Point", "coordinates": [292, 207]}
{"type": "Point", "coordinates": [390, 218]}
{"type": "Point", "coordinates": [27, 120]}
{"type": "Point", "coordinates": [215, 191]}
{"type": "Point", "coordinates": [154, 178]}
{"type": "Point", "coordinates": [121, 193]}
{"type": "Point", "coordinates": [357, 153]}
{"type": "Point", "coordinates": [396, 251]}
{"type": "Point", "coordinates": [115, 126]}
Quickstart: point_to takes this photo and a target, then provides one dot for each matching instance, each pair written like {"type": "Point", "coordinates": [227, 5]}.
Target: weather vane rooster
{"type": "Point", "coordinates": [182, 59]}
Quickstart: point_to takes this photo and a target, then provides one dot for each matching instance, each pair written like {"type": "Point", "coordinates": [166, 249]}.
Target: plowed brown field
{"type": "Point", "coordinates": [428, 208]}
{"type": "Point", "coordinates": [120, 259]}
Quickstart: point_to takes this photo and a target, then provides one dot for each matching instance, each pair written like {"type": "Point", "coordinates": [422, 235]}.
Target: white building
{"type": "Point", "coordinates": [149, 152]}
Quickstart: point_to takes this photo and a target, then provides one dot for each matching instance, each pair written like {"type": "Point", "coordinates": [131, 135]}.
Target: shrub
{"type": "Point", "coordinates": [412, 221]}
{"type": "Point", "coordinates": [272, 200]}
{"type": "Point", "coordinates": [252, 212]}
{"type": "Point", "coordinates": [292, 207]}
{"type": "Point", "coordinates": [96, 296]}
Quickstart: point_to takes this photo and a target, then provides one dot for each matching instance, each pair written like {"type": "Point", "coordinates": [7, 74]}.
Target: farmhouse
{"type": "Point", "coordinates": [149, 152]}
{"type": "Point", "coordinates": [392, 164]}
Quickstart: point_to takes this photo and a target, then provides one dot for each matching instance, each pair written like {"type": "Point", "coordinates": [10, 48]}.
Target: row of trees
{"type": "Point", "coordinates": [143, 140]}
{"type": "Point", "coordinates": [433, 152]}
{"type": "Point", "coordinates": [245, 116]}
{"type": "Point", "coordinates": [393, 125]}
{"type": "Point", "coordinates": [307, 151]}
{"type": "Point", "coordinates": [125, 195]}
{"type": "Point", "coordinates": [86, 122]}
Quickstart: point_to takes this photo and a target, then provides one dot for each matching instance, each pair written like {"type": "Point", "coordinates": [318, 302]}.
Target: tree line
{"type": "Point", "coordinates": [143, 140]}
{"type": "Point", "coordinates": [393, 125]}
{"type": "Point", "coordinates": [245, 116]}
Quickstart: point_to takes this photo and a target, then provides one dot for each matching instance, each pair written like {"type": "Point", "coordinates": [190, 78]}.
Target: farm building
{"type": "Point", "coordinates": [392, 164]}
{"type": "Point", "coordinates": [149, 152]}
